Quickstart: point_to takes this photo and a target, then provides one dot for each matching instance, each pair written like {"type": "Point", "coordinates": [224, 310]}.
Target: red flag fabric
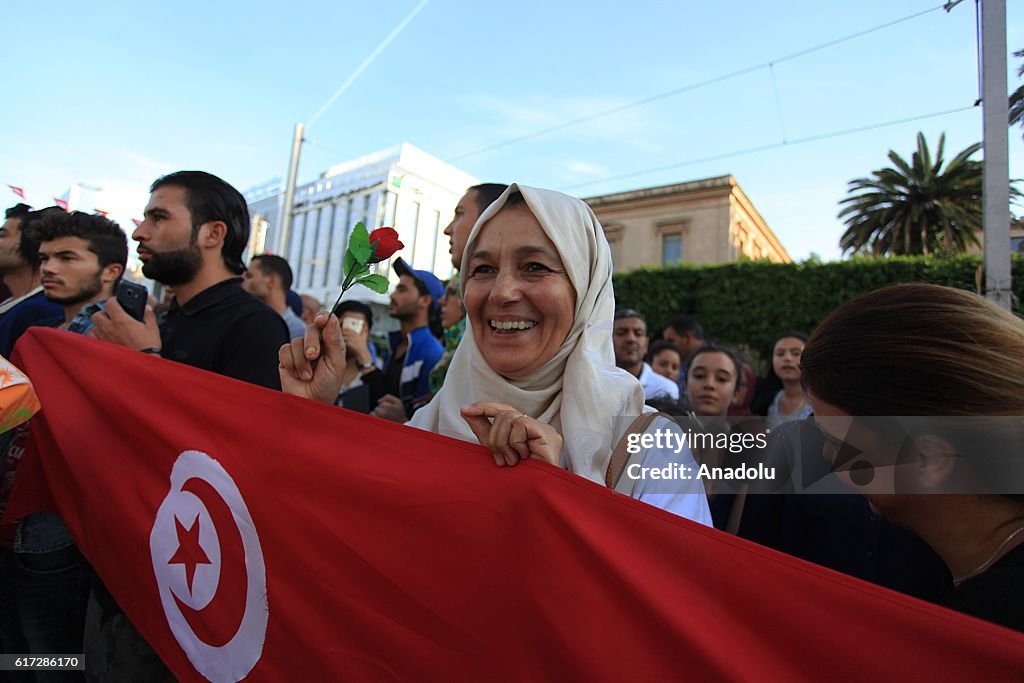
{"type": "Point", "coordinates": [62, 203]}
{"type": "Point", "coordinates": [20, 191]}
{"type": "Point", "coordinates": [102, 212]}
{"type": "Point", "coordinates": [250, 533]}
{"type": "Point", "coordinates": [137, 222]}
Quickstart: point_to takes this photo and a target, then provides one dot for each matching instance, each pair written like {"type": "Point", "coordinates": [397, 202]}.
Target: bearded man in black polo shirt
{"type": "Point", "coordinates": [195, 229]}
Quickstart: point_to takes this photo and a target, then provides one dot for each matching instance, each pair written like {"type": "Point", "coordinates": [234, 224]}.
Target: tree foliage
{"type": "Point", "coordinates": [919, 207]}
{"type": "Point", "coordinates": [749, 302]}
{"type": "Point", "coordinates": [1017, 97]}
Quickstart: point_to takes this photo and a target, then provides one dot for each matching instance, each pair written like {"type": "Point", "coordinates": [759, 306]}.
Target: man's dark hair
{"type": "Point", "coordinates": [211, 199]}
{"type": "Point", "coordinates": [686, 323]}
{"type": "Point", "coordinates": [106, 239]}
{"type": "Point", "coordinates": [352, 306]}
{"type": "Point", "coordinates": [486, 193]}
{"type": "Point", "coordinates": [272, 264]}
{"type": "Point", "coordinates": [629, 313]}
{"type": "Point", "coordinates": [17, 211]}
{"type": "Point", "coordinates": [28, 248]}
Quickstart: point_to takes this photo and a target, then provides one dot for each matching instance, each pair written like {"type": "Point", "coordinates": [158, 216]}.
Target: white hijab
{"type": "Point", "coordinates": [580, 391]}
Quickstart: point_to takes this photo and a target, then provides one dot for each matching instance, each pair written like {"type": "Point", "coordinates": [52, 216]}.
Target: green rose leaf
{"type": "Point", "coordinates": [350, 262]}
{"type": "Point", "coordinates": [377, 283]}
{"type": "Point", "coordinates": [359, 243]}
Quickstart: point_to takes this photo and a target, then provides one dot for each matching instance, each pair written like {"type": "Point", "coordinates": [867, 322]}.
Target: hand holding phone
{"type": "Point", "coordinates": [356, 336]}
{"type": "Point", "coordinates": [132, 298]}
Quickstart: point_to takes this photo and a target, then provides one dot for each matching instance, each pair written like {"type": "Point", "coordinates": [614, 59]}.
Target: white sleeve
{"type": "Point", "coordinates": [683, 492]}
{"type": "Point", "coordinates": [671, 387]}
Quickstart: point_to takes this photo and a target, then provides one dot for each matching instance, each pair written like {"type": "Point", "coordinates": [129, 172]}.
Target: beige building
{"type": "Point", "coordinates": [702, 222]}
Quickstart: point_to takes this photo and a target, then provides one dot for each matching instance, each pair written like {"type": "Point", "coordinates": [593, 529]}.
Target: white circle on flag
{"type": "Point", "coordinates": [212, 579]}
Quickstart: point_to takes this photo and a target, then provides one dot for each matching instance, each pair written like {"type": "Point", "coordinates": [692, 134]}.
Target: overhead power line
{"type": "Point", "coordinates": [690, 87]}
{"type": "Point", "coordinates": [764, 148]}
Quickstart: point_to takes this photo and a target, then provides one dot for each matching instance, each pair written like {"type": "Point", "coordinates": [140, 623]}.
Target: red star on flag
{"type": "Point", "coordinates": [189, 552]}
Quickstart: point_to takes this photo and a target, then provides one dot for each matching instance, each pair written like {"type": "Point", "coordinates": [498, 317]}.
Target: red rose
{"type": "Point", "coordinates": [385, 243]}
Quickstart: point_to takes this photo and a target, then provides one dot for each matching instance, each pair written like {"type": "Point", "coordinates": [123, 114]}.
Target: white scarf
{"type": "Point", "coordinates": [580, 391]}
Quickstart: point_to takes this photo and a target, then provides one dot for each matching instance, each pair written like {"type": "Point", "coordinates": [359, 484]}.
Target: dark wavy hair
{"type": "Point", "coordinates": [105, 238]}
{"type": "Point", "coordinates": [211, 199]}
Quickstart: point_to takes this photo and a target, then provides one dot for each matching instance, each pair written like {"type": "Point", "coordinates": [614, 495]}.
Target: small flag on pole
{"type": "Point", "coordinates": [20, 191]}
{"type": "Point", "coordinates": [102, 212]}
{"type": "Point", "coordinates": [62, 203]}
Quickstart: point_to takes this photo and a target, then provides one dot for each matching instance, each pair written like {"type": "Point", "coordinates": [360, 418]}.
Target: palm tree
{"type": "Point", "coordinates": [1017, 98]}
{"type": "Point", "coordinates": [916, 208]}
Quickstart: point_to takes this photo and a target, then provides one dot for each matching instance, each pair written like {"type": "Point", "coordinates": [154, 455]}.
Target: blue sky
{"type": "Point", "coordinates": [114, 94]}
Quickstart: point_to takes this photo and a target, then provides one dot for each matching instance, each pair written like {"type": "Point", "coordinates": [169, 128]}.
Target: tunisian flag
{"type": "Point", "coordinates": [250, 533]}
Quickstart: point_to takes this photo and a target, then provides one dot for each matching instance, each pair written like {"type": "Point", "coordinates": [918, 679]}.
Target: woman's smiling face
{"type": "Point", "coordinates": [518, 296]}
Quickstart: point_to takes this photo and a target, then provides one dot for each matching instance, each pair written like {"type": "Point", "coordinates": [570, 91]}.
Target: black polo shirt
{"type": "Point", "coordinates": [226, 330]}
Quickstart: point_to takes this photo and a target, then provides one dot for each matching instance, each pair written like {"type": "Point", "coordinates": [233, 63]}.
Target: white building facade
{"type": "Point", "coordinates": [403, 187]}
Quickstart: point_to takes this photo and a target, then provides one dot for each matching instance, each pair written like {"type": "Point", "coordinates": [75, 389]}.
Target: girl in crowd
{"type": "Point", "coordinates": [789, 402]}
{"type": "Point", "coordinates": [534, 375]}
{"type": "Point", "coordinates": [665, 359]}
{"type": "Point", "coordinates": [925, 350]}
{"type": "Point", "coordinates": [711, 380]}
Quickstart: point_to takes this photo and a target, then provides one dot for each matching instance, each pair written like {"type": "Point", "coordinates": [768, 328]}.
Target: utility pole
{"type": "Point", "coordinates": [995, 140]}
{"type": "Point", "coordinates": [293, 166]}
{"type": "Point", "coordinates": [289, 192]}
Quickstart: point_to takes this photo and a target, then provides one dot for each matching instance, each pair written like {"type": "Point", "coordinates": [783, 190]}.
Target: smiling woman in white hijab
{"type": "Point", "coordinates": [535, 374]}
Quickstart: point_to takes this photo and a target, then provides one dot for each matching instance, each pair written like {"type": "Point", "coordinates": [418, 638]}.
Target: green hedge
{"type": "Point", "coordinates": [749, 302]}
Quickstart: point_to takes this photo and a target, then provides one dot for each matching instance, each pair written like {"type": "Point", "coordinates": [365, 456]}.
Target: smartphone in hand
{"type": "Point", "coordinates": [354, 324]}
{"type": "Point", "coordinates": [132, 298]}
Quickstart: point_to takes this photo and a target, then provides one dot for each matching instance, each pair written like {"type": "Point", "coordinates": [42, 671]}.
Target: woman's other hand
{"type": "Point", "coordinates": [511, 435]}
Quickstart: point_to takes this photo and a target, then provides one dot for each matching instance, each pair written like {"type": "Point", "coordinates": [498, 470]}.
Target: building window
{"type": "Point", "coordinates": [415, 230]}
{"type": "Point", "coordinates": [1017, 245]}
{"type": "Point", "coordinates": [613, 247]}
{"type": "Point", "coordinates": [671, 248]}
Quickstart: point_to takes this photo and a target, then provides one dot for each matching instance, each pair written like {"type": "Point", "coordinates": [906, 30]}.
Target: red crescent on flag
{"type": "Point", "coordinates": [218, 622]}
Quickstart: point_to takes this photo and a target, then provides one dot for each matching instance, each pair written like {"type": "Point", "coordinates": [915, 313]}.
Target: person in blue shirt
{"type": "Point", "coordinates": [81, 259]}
{"type": "Point", "coordinates": [19, 268]}
{"type": "Point", "coordinates": [414, 349]}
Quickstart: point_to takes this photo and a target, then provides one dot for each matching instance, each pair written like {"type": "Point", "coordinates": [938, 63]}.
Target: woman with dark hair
{"type": "Point", "coordinates": [938, 355]}
{"type": "Point", "coordinates": [782, 397]}
{"type": "Point", "coordinates": [712, 378]}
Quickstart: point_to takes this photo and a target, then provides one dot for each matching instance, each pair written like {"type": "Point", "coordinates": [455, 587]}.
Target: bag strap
{"type": "Point", "coordinates": [620, 456]}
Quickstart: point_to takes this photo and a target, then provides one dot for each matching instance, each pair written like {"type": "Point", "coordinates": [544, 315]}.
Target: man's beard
{"type": "Point", "coordinates": [86, 292]}
{"type": "Point", "coordinates": [11, 262]}
{"type": "Point", "coordinates": [174, 268]}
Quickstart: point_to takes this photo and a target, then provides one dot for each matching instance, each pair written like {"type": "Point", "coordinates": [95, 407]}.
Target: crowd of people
{"type": "Point", "coordinates": [524, 352]}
